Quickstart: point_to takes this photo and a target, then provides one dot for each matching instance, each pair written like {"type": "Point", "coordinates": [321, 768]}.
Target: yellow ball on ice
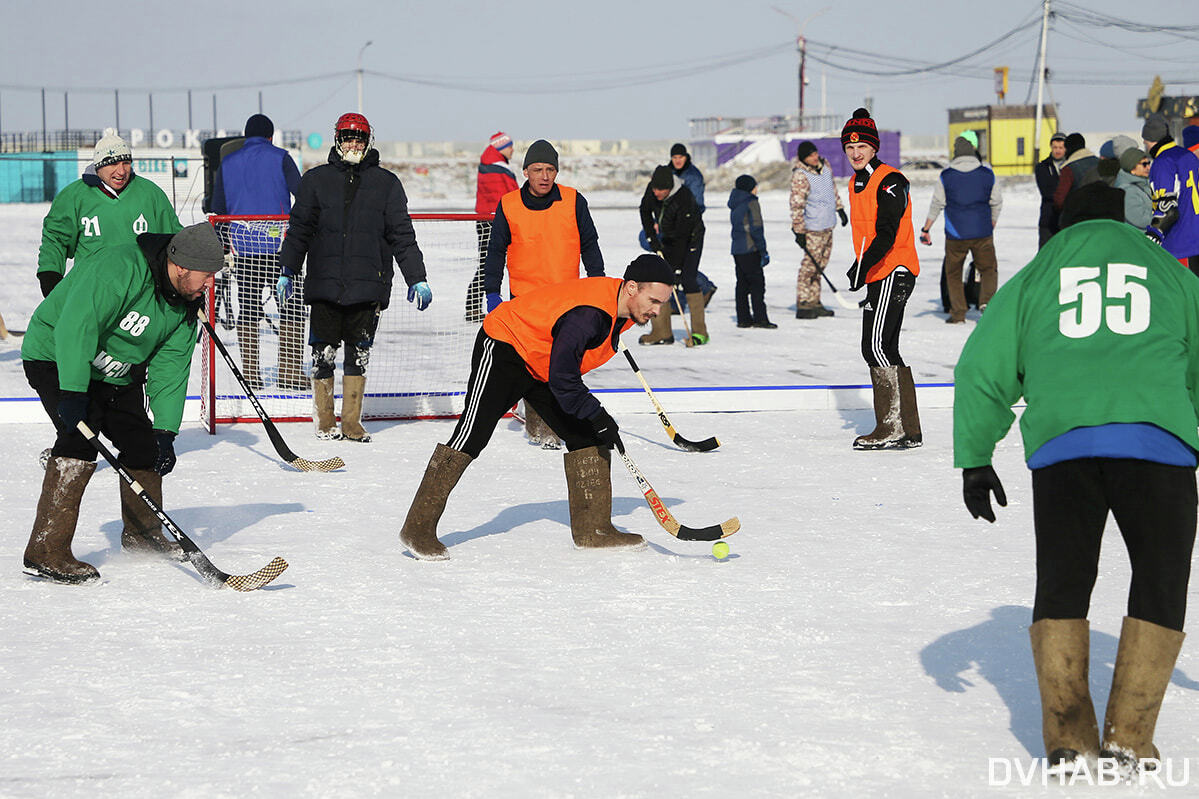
{"type": "Point", "coordinates": [720, 550]}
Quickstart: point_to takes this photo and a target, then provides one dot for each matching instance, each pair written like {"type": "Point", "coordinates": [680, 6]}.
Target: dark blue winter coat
{"type": "Point", "coordinates": [693, 179]}
{"type": "Point", "coordinates": [745, 214]}
{"type": "Point", "coordinates": [968, 203]}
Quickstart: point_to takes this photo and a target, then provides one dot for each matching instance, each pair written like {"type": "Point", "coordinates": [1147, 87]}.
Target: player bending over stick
{"type": "Point", "coordinates": [537, 347]}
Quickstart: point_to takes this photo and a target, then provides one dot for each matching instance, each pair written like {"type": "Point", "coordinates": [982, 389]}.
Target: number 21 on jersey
{"type": "Point", "coordinates": [1122, 304]}
{"type": "Point", "coordinates": [91, 225]}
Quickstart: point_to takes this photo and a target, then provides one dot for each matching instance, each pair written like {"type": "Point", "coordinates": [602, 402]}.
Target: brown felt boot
{"type": "Point", "coordinates": [291, 356]}
{"type": "Point", "coordinates": [538, 432]}
{"type": "Point", "coordinates": [589, 487]}
{"type": "Point", "coordinates": [49, 549]}
{"type": "Point", "coordinates": [888, 432]}
{"type": "Point", "coordinates": [1144, 662]}
{"type": "Point", "coordinates": [1061, 653]}
{"type": "Point", "coordinates": [247, 344]}
{"type": "Point", "coordinates": [322, 401]}
{"type": "Point", "coordinates": [699, 328]}
{"type": "Point", "coordinates": [659, 331]}
{"type": "Point", "coordinates": [353, 388]}
{"type": "Point", "coordinates": [143, 531]}
{"type": "Point", "coordinates": [909, 414]}
{"type": "Point", "coordinates": [419, 533]}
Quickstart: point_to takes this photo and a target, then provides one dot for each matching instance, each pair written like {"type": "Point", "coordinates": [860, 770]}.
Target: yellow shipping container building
{"type": "Point", "coordinates": [1005, 134]}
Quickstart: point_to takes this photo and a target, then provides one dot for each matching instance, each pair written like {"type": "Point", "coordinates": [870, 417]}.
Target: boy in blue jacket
{"type": "Point", "coordinates": [749, 254]}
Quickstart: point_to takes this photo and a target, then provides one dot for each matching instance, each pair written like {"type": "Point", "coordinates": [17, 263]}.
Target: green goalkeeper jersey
{"type": "Point", "coordinates": [101, 322]}
{"type": "Point", "coordinates": [84, 219]}
{"type": "Point", "coordinates": [1101, 327]}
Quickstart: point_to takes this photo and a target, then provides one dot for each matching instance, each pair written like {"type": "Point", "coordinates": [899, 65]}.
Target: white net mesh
{"type": "Point", "coordinates": [420, 360]}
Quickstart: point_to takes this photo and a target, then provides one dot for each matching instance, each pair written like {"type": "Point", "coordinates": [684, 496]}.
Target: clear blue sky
{"type": "Point", "coordinates": [530, 67]}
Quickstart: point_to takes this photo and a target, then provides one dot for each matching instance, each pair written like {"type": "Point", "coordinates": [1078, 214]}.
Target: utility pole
{"type": "Point", "coordinates": [801, 47]}
{"type": "Point", "coordinates": [360, 52]}
{"type": "Point", "coordinates": [1036, 136]}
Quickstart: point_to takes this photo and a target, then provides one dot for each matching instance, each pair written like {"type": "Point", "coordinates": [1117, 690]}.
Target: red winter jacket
{"type": "Point", "coordinates": [495, 180]}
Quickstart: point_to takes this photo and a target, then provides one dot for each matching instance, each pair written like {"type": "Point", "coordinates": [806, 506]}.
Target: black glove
{"type": "Point", "coordinates": [857, 277]}
{"type": "Point", "coordinates": [606, 430]}
{"type": "Point", "coordinates": [802, 240]}
{"type": "Point", "coordinates": [844, 218]}
{"type": "Point", "coordinates": [977, 485]}
{"type": "Point", "coordinates": [48, 280]}
{"type": "Point", "coordinates": [165, 462]}
{"type": "Point", "coordinates": [72, 408]}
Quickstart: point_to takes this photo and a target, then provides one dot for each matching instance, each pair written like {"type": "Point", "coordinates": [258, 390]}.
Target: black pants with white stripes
{"type": "Point", "coordinates": [498, 378]}
{"type": "Point", "coordinates": [882, 316]}
{"type": "Point", "coordinates": [1154, 506]}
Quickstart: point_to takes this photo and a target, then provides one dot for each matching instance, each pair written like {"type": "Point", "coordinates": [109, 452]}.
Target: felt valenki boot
{"type": "Point", "coordinates": [322, 401]}
{"type": "Point", "coordinates": [142, 533]}
{"type": "Point", "coordinates": [49, 549]}
{"type": "Point", "coordinates": [909, 414]}
{"type": "Point", "coordinates": [699, 327]}
{"type": "Point", "coordinates": [419, 533]}
{"type": "Point", "coordinates": [659, 331]}
{"type": "Point", "coordinates": [888, 432]}
{"type": "Point", "coordinates": [353, 389]}
{"type": "Point", "coordinates": [1061, 653]}
{"type": "Point", "coordinates": [589, 488]}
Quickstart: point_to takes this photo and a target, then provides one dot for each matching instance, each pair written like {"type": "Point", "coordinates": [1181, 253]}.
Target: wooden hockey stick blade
{"type": "Point", "coordinates": [205, 567]}
{"type": "Point", "coordinates": [707, 445]}
{"type": "Point", "coordinates": [665, 518]}
{"type": "Point", "coordinates": [272, 432]}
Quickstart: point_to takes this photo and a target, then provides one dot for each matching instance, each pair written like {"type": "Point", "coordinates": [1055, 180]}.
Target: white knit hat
{"type": "Point", "coordinates": [111, 149]}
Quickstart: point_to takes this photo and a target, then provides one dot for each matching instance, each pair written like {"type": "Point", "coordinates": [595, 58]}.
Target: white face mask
{"type": "Point", "coordinates": [352, 151]}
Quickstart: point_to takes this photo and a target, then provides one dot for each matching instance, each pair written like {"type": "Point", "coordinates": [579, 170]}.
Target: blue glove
{"type": "Point", "coordinates": [422, 294]}
{"type": "Point", "coordinates": [765, 258]}
{"type": "Point", "coordinates": [165, 462]}
{"type": "Point", "coordinates": [72, 408]}
{"type": "Point", "coordinates": [493, 302]}
{"type": "Point", "coordinates": [283, 289]}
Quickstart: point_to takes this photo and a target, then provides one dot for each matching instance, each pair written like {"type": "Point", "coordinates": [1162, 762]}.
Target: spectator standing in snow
{"type": "Point", "coordinates": [972, 199]}
{"type": "Point", "coordinates": [815, 206]}
{"type": "Point", "coordinates": [749, 253]}
{"type": "Point", "coordinates": [495, 179]}
{"type": "Point", "coordinates": [1133, 180]}
{"type": "Point", "coordinates": [1047, 174]}
{"type": "Point", "coordinates": [693, 179]}
{"type": "Point", "coordinates": [1173, 178]}
{"type": "Point", "coordinates": [674, 229]}
{"type": "Point", "coordinates": [1080, 168]}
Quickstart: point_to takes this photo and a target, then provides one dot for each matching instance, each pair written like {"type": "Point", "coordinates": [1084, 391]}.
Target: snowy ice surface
{"type": "Point", "coordinates": [864, 638]}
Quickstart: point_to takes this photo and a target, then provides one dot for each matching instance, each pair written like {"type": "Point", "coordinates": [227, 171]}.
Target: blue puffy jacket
{"type": "Point", "coordinates": [745, 214]}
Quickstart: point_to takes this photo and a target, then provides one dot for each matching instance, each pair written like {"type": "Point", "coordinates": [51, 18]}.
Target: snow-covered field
{"type": "Point", "coordinates": [865, 637]}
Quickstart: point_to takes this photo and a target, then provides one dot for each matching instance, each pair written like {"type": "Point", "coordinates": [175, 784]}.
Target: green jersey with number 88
{"type": "Point", "coordinates": [1101, 327]}
{"type": "Point", "coordinates": [101, 322]}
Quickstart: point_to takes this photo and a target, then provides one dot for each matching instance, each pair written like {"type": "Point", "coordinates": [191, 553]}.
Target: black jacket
{"type": "Point", "coordinates": [1047, 177]}
{"type": "Point", "coordinates": [351, 220]}
{"type": "Point", "coordinates": [680, 225]}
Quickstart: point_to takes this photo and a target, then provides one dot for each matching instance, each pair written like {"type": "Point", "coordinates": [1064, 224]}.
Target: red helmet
{"type": "Point", "coordinates": [352, 127]}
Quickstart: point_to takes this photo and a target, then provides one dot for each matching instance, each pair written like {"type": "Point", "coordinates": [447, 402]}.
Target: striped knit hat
{"type": "Point", "coordinates": [860, 128]}
{"type": "Point", "coordinates": [500, 140]}
{"type": "Point", "coordinates": [111, 149]}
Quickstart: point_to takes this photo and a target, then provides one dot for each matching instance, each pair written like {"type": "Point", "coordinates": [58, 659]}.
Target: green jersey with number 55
{"type": "Point", "coordinates": [101, 322]}
{"type": "Point", "coordinates": [1101, 327]}
{"type": "Point", "coordinates": [85, 218]}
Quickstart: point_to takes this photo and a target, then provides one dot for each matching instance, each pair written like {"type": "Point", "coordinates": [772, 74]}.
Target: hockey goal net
{"type": "Point", "coordinates": [420, 360]}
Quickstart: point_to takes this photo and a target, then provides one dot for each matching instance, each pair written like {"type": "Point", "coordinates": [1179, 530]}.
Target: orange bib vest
{"type": "Point", "coordinates": [527, 322]}
{"type": "Point", "coordinates": [863, 213]}
{"type": "Point", "coordinates": [545, 245]}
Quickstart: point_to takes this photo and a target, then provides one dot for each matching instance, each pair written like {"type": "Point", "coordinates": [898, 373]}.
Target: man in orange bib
{"type": "Point", "coordinates": [880, 211]}
{"type": "Point", "coordinates": [540, 231]}
{"type": "Point", "coordinates": [537, 347]}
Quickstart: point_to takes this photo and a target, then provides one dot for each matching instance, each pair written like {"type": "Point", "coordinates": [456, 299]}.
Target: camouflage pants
{"type": "Point", "coordinates": [807, 285]}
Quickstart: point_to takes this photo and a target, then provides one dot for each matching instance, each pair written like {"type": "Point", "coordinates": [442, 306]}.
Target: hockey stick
{"type": "Point", "coordinates": [211, 574]}
{"type": "Point", "coordinates": [664, 517]}
{"type": "Point", "coordinates": [272, 432]}
{"type": "Point", "coordinates": [844, 303]}
{"type": "Point", "coordinates": [707, 445]}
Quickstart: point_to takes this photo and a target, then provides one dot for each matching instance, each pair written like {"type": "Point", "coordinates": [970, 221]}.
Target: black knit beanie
{"type": "Point", "coordinates": [745, 183]}
{"type": "Point", "coordinates": [806, 148]}
{"type": "Point", "coordinates": [663, 178]}
{"type": "Point", "coordinates": [1074, 143]}
{"type": "Point", "coordinates": [860, 128]}
{"type": "Point", "coordinates": [541, 152]}
{"type": "Point", "coordinates": [678, 149]}
{"type": "Point", "coordinates": [260, 125]}
{"type": "Point", "coordinates": [649, 268]}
